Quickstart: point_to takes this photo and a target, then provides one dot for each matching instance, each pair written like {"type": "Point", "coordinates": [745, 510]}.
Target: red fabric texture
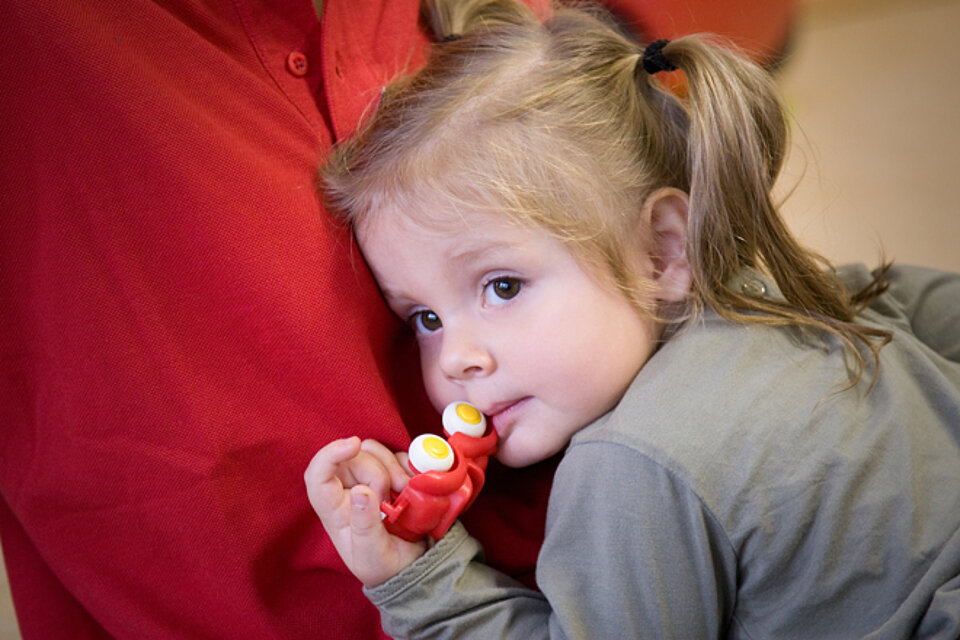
{"type": "Point", "coordinates": [182, 327]}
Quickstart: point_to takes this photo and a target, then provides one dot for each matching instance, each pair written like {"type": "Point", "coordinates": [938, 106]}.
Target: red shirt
{"type": "Point", "coordinates": [182, 326]}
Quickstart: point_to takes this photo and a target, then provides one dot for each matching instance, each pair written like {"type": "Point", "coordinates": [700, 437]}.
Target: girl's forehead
{"type": "Point", "coordinates": [440, 220]}
{"type": "Point", "coordinates": [455, 238]}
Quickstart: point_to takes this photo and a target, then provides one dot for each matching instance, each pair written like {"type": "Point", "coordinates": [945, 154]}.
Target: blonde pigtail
{"type": "Point", "coordinates": [736, 143]}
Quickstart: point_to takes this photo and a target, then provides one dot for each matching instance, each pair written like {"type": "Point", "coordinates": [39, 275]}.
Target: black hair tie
{"type": "Point", "coordinates": [450, 38]}
{"type": "Point", "coordinates": [653, 59]}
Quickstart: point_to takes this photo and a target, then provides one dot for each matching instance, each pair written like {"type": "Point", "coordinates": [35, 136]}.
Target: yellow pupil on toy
{"type": "Point", "coordinates": [468, 413]}
{"type": "Point", "coordinates": [436, 448]}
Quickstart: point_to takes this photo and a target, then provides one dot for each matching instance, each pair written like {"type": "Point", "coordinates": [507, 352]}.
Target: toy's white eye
{"type": "Point", "coordinates": [430, 453]}
{"type": "Point", "coordinates": [463, 417]}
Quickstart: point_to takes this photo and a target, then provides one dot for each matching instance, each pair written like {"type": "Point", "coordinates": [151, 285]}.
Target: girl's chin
{"type": "Point", "coordinates": [508, 461]}
{"type": "Point", "coordinates": [516, 459]}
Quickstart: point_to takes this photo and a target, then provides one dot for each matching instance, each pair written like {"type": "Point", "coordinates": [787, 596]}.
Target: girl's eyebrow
{"type": "Point", "coordinates": [472, 254]}
{"type": "Point", "coordinates": [395, 299]}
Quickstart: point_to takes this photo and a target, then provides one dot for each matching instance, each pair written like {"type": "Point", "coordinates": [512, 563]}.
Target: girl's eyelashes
{"type": "Point", "coordinates": [496, 291]}
{"type": "Point", "coordinates": [500, 289]}
{"type": "Point", "coordinates": [424, 321]}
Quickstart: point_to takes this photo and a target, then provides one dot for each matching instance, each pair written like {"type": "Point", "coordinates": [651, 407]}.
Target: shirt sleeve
{"type": "Point", "coordinates": [450, 593]}
{"type": "Point", "coordinates": [630, 552]}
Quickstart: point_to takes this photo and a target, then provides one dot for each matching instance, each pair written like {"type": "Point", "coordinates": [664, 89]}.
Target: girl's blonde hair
{"type": "Point", "coordinates": [554, 122]}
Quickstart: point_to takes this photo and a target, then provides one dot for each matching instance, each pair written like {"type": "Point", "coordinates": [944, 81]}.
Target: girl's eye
{"type": "Point", "coordinates": [425, 321]}
{"type": "Point", "coordinates": [501, 289]}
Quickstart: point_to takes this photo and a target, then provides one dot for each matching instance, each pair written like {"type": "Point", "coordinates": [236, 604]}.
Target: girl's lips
{"type": "Point", "coordinates": [503, 414]}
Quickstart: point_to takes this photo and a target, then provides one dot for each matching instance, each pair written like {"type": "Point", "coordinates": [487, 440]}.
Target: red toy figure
{"type": "Point", "coordinates": [450, 474]}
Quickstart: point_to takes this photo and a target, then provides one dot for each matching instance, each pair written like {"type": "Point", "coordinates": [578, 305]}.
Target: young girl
{"type": "Point", "coordinates": [755, 445]}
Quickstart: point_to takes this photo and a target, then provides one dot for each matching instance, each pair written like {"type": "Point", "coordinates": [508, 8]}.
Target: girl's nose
{"type": "Point", "coordinates": [462, 357]}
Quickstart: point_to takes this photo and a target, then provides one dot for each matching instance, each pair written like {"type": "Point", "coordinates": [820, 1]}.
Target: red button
{"type": "Point", "coordinates": [297, 64]}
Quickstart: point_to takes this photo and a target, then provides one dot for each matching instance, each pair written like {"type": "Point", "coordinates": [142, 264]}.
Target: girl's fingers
{"type": "Point", "coordinates": [376, 554]}
{"type": "Point", "coordinates": [367, 469]}
{"type": "Point", "coordinates": [346, 463]}
{"type": "Point", "coordinates": [324, 487]}
{"type": "Point", "coordinates": [404, 459]}
{"type": "Point", "coordinates": [399, 475]}
{"type": "Point", "coordinates": [346, 480]}
{"type": "Point", "coordinates": [365, 513]}
{"type": "Point", "coordinates": [370, 544]}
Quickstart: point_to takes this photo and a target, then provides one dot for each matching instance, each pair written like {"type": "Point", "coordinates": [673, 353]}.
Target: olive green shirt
{"type": "Point", "coordinates": [736, 492]}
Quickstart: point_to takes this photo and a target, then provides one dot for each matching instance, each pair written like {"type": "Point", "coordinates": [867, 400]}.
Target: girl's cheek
{"type": "Point", "coordinates": [435, 384]}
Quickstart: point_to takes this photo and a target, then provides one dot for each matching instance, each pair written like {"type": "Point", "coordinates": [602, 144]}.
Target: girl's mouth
{"type": "Point", "coordinates": [503, 415]}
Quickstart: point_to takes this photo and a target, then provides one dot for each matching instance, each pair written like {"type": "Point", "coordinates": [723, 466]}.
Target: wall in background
{"type": "Point", "coordinates": [877, 147]}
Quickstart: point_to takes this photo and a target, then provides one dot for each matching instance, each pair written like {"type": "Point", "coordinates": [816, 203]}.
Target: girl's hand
{"type": "Point", "coordinates": [346, 481]}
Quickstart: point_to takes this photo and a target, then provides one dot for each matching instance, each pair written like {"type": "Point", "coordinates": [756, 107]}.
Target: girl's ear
{"type": "Point", "coordinates": [666, 209]}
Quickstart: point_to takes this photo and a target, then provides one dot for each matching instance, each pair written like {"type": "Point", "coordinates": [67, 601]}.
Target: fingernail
{"type": "Point", "coordinates": [359, 501]}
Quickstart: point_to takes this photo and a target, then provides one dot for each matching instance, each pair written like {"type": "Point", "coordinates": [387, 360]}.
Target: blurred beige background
{"type": "Point", "coordinates": [873, 87]}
